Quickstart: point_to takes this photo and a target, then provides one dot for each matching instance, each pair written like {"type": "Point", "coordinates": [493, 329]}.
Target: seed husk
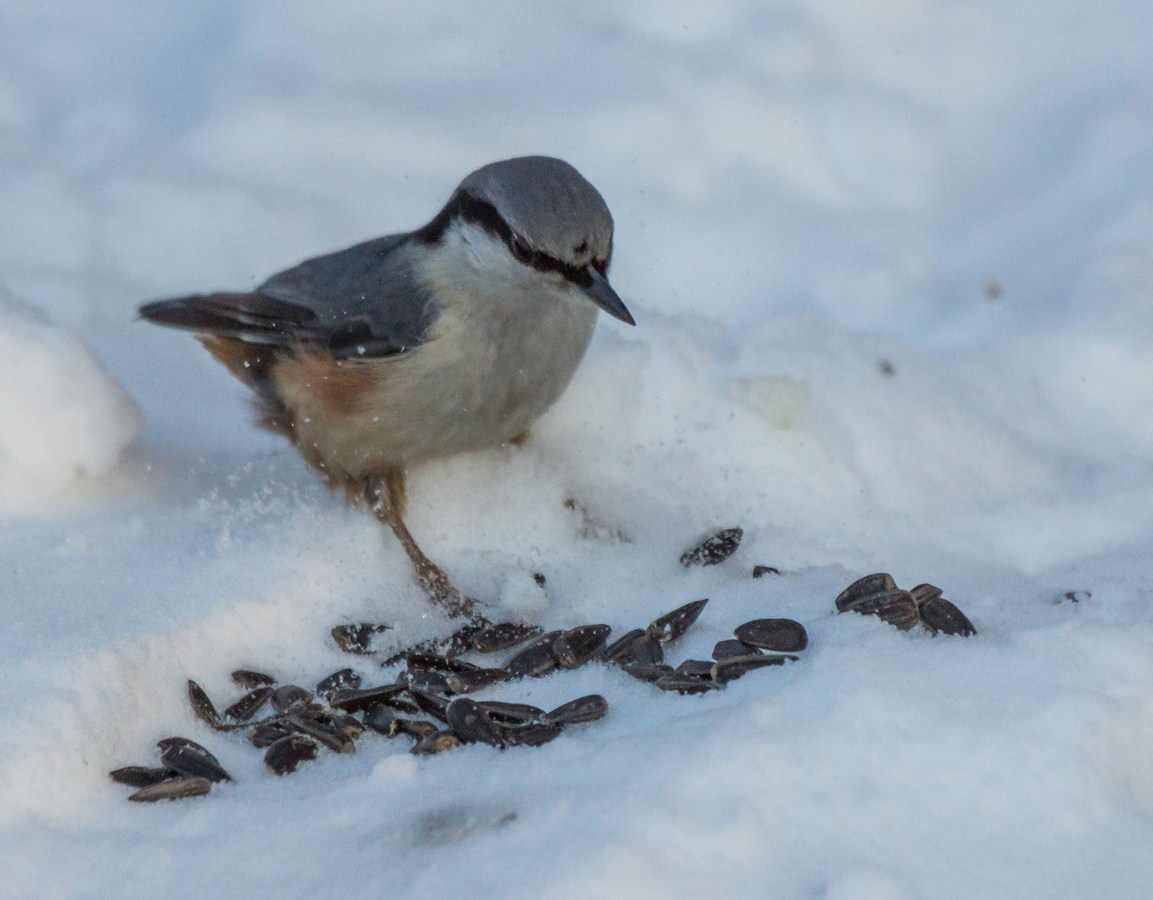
{"type": "Point", "coordinates": [511, 713]}
{"type": "Point", "coordinates": [358, 637]}
{"type": "Point", "coordinates": [265, 734]}
{"type": "Point", "coordinates": [289, 695]}
{"type": "Point", "coordinates": [577, 646]}
{"type": "Point", "coordinates": [941, 616]}
{"type": "Point", "coordinates": [778, 635]}
{"type": "Point", "coordinates": [189, 758]}
{"type": "Point", "coordinates": [437, 742]}
{"type": "Point", "coordinates": [429, 703]}
{"type": "Point", "coordinates": [734, 667]}
{"type": "Point", "coordinates": [141, 776]}
{"type": "Point", "coordinates": [582, 709]}
{"type": "Point", "coordinates": [714, 549]}
{"type": "Point", "coordinates": [503, 635]}
{"type": "Point", "coordinates": [321, 730]}
{"type": "Point", "coordinates": [898, 608]}
{"type": "Point", "coordinates": [248, 705]}
{"type": "Point", "coordinates": [880, 583]}
{"type": "Point", "coordinates": [475, 680]}
{"type": "Point", "coordinates": [732, 647]}
{"type": "Point", "coordinates": [286, 754]}
{"type": "Point", "coordinates": [173, 789]}
{"type": "Point", "coordinates": [536, 659]}
{"type": "Point", "coordinates": [650, 672]}
{"type": "Point", "coordinates": [469, 722]}
{"type": "Point", "coordinates": [620, 650]}
{"type": "Point", "coordinates": [672, 625]}
{"type": "Point", "coordinates": [687, 684]}
{"type": "Point", "coordinates": [700, 668]}
{"type": "Point", "coordinates": [365, 698]}
{"type": "Point", "coordinates": [201, 704]}
{"type": "Point", "coordinates": [250, 680]}
{"type": "Point", "coordinates": [340, 680]}
{"type": "Point", "coordinates": [532, 734]}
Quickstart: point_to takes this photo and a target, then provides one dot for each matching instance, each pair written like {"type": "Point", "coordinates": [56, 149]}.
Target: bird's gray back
{"type": "Point", "coordinates": [366, 298]}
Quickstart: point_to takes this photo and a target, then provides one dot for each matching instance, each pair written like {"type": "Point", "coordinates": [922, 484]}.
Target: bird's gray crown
{"type": "Point", "coordinates": [548, 205]}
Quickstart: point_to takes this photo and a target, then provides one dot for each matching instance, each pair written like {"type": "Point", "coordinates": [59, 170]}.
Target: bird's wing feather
{"type": "Point", "coordinates": [361, 302]}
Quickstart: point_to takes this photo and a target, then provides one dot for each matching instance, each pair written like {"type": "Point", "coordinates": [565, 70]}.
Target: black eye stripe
{"type": "Point", "coordinates": [482, 213]}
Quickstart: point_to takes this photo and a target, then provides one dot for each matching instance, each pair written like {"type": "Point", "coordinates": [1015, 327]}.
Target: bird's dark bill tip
{"type": "Point", "coordinates": [602, 294]}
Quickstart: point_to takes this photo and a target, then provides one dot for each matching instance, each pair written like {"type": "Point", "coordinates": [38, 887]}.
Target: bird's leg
{"type": "Point", "coordinates": [385, 496]}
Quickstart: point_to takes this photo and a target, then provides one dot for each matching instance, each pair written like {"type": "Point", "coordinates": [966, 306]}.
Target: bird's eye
{"type": "Point", "coordinates": [521, 250]}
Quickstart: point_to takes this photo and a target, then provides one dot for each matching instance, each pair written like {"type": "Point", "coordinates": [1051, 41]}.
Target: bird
{"type": "Point", "coordinates": [421, 345]}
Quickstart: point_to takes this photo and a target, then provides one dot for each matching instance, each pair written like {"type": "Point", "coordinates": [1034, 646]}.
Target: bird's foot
{"type": "Point", "coordinates": [441, 592]}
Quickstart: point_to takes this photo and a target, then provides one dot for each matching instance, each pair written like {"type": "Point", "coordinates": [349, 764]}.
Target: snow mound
{"type": "Point", "coordinates": [62, 416]}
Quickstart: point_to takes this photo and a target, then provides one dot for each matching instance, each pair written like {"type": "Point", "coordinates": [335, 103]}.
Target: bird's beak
{"type": "Point", "coordinates": [602, 294]}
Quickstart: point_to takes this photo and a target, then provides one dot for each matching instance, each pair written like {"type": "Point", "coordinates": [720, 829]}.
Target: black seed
{"type": "Point", "coordinates": [189, 758]}
{"type": "Point", "coordinates": [201, 705]}
{"type": "Point", "coordinates": [289, 695]}
{"type": "Point", "coordinates": [647, 650]}
{"type": "Point", "coordinates": [381, 719]}
{"type": "Point", "coordinates": [700, 668]}
{"type": "Point", "coordinates": [760, 571]}
{"type": "Point", "coordinates": [536, 659]}
{"type": "Point", "coordinates": [620, 650]}
{"type": "Point", "coordinates": [417, 728]}
{"type": "Point", "coordinates": [923, 593]}
{"type": "Point", "coordinates": [321, 730]}
{"type": "Point", "coordinates": [898, 608]}
{"type": "Point", "coordinates": [583, 709]}
{"type": "Point", "coordinates": [268, 733]}
{"type": "Point", "coordinates": [437, 742]}
{"type": "Point", "coordinates": [358, 700]}
{"type": "Point", "coordinates": [429, 703]}
{"type": "Point", "coordinates": [687, 684]}
{"type": "Point", "coordinates": [881, 583]}
{"type": "Point", "coordinates": [250, 680]}
{"type": "Point", "coordinates": [289, 752]}
{"type": "Point", "coordinates": [434, 662]}
{"type": "Point", "coordinates": [248, 705]}
{"type": "Point", "coordinates": [781, 635]}
{"type": "Point", "coordinates": [348, 726]}
{"type": "Point", "coordinates": [340, 680]}
{"type": "Point", "coordinates": [471, 723]}
{"type": "Point", "coordinates": [734, 667]}
{"type": "Point", "coordinates": [357, 637]}
{"type": "Point", "coordinates": [511, 713]}
{"type": "Point", "coordinates": [425, 679]}
{"type": "Point", "coordinates": [939, 615]}
{"type": "Point", "coordinates": [140, 776]}
{"type": "Point", "coordinates": [577, 646]}
{"type": "Point", "coordinates": [647, 671]}
{"type": "Point", "coordinates": [672, 625]}
{"type": "Point", "coordinates": [503, 636]}
{"type": "Point", "coordinates": [173, 789]}
{"type": "Point", "coordinates": [477, 679]}
{"type": "Point", "coordinates": [732, 647]}
{"type": "Point", "coordinates": [714, 549]}
{"type": "Point", "coordinates": [531, 735]}
{"type": "Point", "coordinates": [460, 641]}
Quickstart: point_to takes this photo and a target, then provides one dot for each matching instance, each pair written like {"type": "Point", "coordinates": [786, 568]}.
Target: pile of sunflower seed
{"type": "Point", "coordinates": [925, 605]}
{"type": "Point", "coordinates": [429, 700]}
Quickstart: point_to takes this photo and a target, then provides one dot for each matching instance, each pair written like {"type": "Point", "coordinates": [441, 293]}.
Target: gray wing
{"type": "Point", "coordinates": [360, 302]}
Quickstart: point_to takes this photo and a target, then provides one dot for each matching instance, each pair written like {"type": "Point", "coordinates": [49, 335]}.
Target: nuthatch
{"type": "Point", "coordinates": [409, 347]}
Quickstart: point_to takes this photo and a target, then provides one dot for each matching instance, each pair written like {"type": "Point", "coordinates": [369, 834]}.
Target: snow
{"type": "Point", "coordinates": [890, 264]}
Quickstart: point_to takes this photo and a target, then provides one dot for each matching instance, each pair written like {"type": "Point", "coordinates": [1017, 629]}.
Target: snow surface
{"type": "Point", "coordinates": [891, 264]}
